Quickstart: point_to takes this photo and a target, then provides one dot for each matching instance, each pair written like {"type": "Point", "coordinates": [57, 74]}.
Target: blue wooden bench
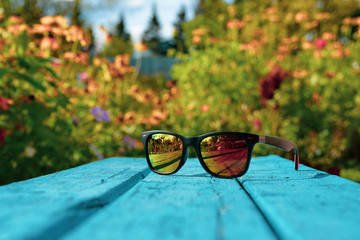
{"type": "Point", "coordinates": [119, 198]}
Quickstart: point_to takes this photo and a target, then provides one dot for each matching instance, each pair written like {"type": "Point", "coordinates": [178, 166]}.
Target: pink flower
{"type": "Point", "coordinates": [320, 43]}
{"type": "Point", "coordinates": [82, 76]}
{"type": "Point", "coordinates": [2, 135]}
{"type": "Point", "coordinates": [205, 108]}
{"type": "Point", "coordinates": [257, 124]}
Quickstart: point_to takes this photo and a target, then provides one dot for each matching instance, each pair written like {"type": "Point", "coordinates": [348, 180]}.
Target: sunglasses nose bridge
{"type": "Point", "coordinates": [190, 141]}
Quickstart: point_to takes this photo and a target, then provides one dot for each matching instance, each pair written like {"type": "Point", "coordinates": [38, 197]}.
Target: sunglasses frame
{"type": "Point", "coordinates": [250, 139]}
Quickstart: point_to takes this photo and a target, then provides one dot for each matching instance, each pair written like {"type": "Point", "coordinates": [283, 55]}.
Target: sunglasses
{"type": "Point", "coordinates": [222, 154]}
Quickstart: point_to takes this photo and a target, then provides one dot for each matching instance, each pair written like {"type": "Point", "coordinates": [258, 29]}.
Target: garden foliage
{"type": "Point", "coordinates": [291, 74]}
{"type": "Point", "coordinates": [270, 69]}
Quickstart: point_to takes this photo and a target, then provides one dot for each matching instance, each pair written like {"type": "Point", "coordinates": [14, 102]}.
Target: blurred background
{"type": "Point", "coordinates": [81, 79]}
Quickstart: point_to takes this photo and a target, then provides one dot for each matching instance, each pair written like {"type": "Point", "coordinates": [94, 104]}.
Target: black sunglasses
{"type": "Point", "coordinates": [222, 154]}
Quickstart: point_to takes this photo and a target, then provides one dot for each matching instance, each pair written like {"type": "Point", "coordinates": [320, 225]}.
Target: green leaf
{"type": "Point", "coordinates": [22, 44]}
{"type": "Point", "coordinates": [4, 71]}
{"type": "Point", "coordinates": [35, 83]}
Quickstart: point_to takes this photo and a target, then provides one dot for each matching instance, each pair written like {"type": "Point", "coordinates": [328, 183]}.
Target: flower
{"type": "Point", "coordinates": [75, 121]}
{"type": "Point", "coordinates": [82, 76]}
{"type": "Point", "coordinates": [301, 16]}
{"type": "Point", "coordinates": [2, 136]}
{"type": "Point", "coordinates": [129, 142]}
{"type": "Point", "coordinates": [49, 43]}
{"type": "Point", "coordinates": [122, 151]}
{"type": "Point", "coordinates": [5, 102]}
{"type": "Point", "coordinates": [205, 108]}
{"type": "Point", "coordinates": [307, 45]}
{"type": "Point", "coordinates": [140, 47]}
{"type": "Point", "coordinates": [100, 114]}
{"type": "Point", "coordinates": [257, 124]}
{"type": "Point", "coordinates": [30, 151]}
{"type": "Point", "coordinates": [271, 82]}
{"type": "Point", "coordinates": [235, 24]}
{"type": "Point", "coordinates": [47, 20]}
{"type": "Point", "coordinates": [96, 151]}
{"type": "Point", "coordinates": [320, 43]}
{"type": "Point", "coordinates": [108, 38]}
{"type": "Point", "coordinates": [328, 36]}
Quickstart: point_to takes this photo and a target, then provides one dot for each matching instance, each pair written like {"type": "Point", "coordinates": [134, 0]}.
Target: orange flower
{"type": "Point", "coordinates": [307, 45]}
{"type": "Point", "coordinates": [301, 16]}
{"type": "Point", "coordinates": [258, 32]}
{"type": "Point", "coordinates": [128, 118]}
{"type": "Point", "coordinates": [328, 36]}
{"type": "Point", "coordinates": [271, 10]}
{"type": "Point", "coordinates": [40, 29]}
{"type": "Point", "coordinates": [17, 29]}
{"type": "Point", "coordinates": [47, 20]}
{"type": "Point", "coordinates": [205, 108]}
{"type": "Point", "coordinates": [15, 20]}
{"type": "Point", "coordinates": [157, 102]}
{"type": "Point", "coordinates": [159, 115]}
{"type": "Point", "coordinates": [92, 86]}
{"type": "Point", "coordinates": [347, 21]}
{"type": "Point", "coordinates": [61, 21]}
{"type": "Point", "coordinates": [134, 90]}
{"type": "Point", "coordinates": [76, 34]}
{"type": "Point", "coordinates": [103, 29]}
{"type": "Point", "coordinates": [311, 25]}
{"type": "Point", "coordinates": [235, 24]}
{"type": "Point", "coordinates": [49, 43]}
{"type": "Point", "coordinates": [300, 74]}
{"type": "Point", "coordinates": [247, 18]}
{"type": "Point", "coordinates": [196, 39]}
{"type": "Point", "coordinates": [108, 38]}
{"type": "Point", "coordinates": [200, 31]}
{"type": "Point", "coordinates": [140, 47]}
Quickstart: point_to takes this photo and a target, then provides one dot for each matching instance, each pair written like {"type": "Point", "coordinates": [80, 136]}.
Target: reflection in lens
{"type": "Point", "coordinates": [224, 155]}
{"type": "Point", "coordinates": [165, 152]}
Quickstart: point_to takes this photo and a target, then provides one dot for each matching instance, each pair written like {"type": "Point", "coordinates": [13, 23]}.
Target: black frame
{"type": "Point", "coordinates": [250, 139]}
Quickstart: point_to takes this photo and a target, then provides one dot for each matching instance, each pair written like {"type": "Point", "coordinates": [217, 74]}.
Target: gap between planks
{"type": "Point", "coordinates": [78, 213]}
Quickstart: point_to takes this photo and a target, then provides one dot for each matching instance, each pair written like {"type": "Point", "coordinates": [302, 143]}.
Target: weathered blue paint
{"type": "Point", "coordinates": [188, 205]}
{"type": "Point", "coordinates": [51, 205]}
{"type": "Point", "coordinates": [304, 204]}
{"type": "Point", "coordinates": [118, 198]}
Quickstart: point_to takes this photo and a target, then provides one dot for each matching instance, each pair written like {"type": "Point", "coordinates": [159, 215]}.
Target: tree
{"type": "Point", "coordinates": [75, 18]}
{"type": "Point", "coordinates": [179, 34]}
{"type": "Point", "coordinates": [120, 30]}
{"type": "Point", "coordinates": [120, 41]}
{"type": "Point", "coordinates": [151, 36]}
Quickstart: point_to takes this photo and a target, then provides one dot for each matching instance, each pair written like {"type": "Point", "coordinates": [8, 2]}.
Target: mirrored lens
{"type": "Point", "coordinates": [165, 152]}
{"type": "Point", "coordinates": [224, 155]}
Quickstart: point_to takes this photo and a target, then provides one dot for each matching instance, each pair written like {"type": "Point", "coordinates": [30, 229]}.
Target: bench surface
{"type": "Point", "coordinates": [119, 198]}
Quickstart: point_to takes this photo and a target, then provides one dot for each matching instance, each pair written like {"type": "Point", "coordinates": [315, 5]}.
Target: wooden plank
{"type": "Point", "coordinates": [304, 204]}
{"type": "Point", "coordinates": [188, 205]}
{"type": "Point", "coordinates": [54, 204]}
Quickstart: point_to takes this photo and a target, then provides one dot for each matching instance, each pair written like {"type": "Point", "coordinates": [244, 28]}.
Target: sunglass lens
{"type": "Point", "coordinates": [224, 155]}
{"type": "Point", "coordinates": [165, 152]}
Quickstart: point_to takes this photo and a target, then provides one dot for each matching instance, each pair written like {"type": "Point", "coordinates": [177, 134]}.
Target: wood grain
{"type": "Point", "coordinates": [118, 198]}
{"type": "Point", "coordinates": [304, 204]}
{"type": "Point", "coordinates": [188, 205]}
{"type": "Point", "coordinates": [49, 206]}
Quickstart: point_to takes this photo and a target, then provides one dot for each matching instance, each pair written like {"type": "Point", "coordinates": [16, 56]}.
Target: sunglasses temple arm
{"type": "Point", "coordinates": [283, 144]}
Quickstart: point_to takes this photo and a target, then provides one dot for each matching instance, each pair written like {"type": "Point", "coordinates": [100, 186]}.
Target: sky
{"type": "Point", "coordinates": [137, 14]}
